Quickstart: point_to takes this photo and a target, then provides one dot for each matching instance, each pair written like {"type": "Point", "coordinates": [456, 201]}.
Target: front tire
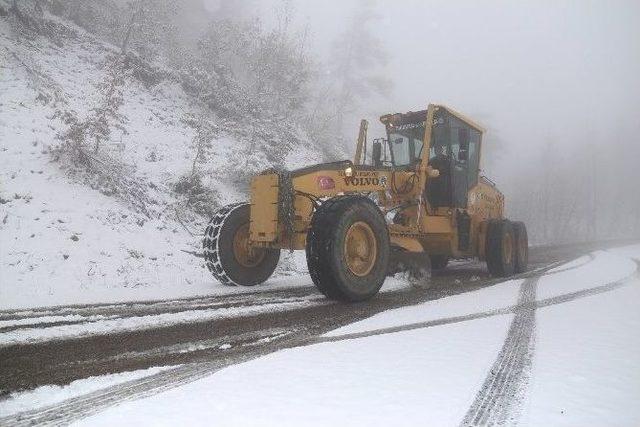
{"type": "Point", "coordinates": [227, 252]}
{"type": "Point", "coordinates": [348, 248]}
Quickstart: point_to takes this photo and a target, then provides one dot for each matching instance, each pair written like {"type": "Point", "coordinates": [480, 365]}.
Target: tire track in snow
{"type": "Point", "coordinates": [73, 409]}
{"type": "Point", "coordinates": [83, 406]}
{"type": "Point", "coordinates": [499, 400]}
{"type": "Point", "coordinates": [499, 397]}
{"type": "Point", "coordinates": [468, 317]}
{"type": "Point", "coordinates": [78, 330]}
{"type": "Point", "coordinates": [64, 360]}
{"type": "Point", "coordinates": [16, 319]}
{"type": "Point", "coordinates": [11, 320]}
{"type": "Point", "coordinates": [51, 321]}
{"type": "Point", "coordinates": [139, 308]}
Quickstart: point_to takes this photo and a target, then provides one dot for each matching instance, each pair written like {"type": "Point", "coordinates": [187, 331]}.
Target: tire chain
{"type": "Point", "coordinates": [211, 243]}
{"type": "Point", "coordinates": [286, 208]}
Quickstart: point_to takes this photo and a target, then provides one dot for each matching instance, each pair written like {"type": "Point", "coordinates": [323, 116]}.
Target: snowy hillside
{"type": "Point", "coordinates": [69, 236]}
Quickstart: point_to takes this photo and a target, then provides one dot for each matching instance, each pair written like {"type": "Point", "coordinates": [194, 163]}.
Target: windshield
{"type": "Point", "coordinates": [405, 142]}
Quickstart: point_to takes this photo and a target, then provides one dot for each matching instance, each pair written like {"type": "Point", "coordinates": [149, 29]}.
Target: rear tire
{"type": "Point", "coordinates": [522, 247]}
{"type": "Point", "coordinates": [226, 251]}
{"type": "Point", "coordinates": [500, 248]}
{"type": "Point", "coordinates": [348, 248]}
{"type": "Point", "coordinates": [439, 262]}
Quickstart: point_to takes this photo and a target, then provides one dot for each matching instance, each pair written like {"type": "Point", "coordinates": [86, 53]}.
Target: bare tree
{"type": "Point", "coordinates": [355, 74]}
{"type": "Point", "coordinates": [105, 115]}
{"type": "Point", "coordinates": [357, 58]}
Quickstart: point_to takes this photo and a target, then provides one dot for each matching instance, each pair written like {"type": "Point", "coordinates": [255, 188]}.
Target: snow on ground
{"type": "Point", "coordinates": [47, 319]}
{"type": "Point", "coordinates": [398, 379]}
{"type": "Point", "coordinates": [605, 268]}
{"type": "Point", "coordinates": [63, 242]}
{"type": "Point", "coordinates": [572, 264]}
{"type": "Point", "coordinates": [123, 324]}
{"type": "Point", "coordinates": [103, 324]}
{"type": "Point", "coordinates": [585, 369]}
{"type": "Point", "coordinates": [52, 394]}
{"type": "Point", "coordinates": [584, 365]}
{"type": "Point", "coordinates": [495, 297]}
{"type": "Point", "coordinates": [630, 251]}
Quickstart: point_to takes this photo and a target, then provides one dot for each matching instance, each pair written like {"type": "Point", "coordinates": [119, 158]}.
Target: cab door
{"type": "Point", "coordinates": [460, 166]}
{"type": "Point", "coordinates": [454, 152]}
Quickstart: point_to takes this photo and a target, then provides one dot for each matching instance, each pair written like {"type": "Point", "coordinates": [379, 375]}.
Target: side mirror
{"type": "Point", "coordinates": [376, 153]}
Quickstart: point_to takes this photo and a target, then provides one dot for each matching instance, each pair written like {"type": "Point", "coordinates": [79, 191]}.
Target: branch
{"type": "Point", "coordinates": [195, 254]}
{"type": "Point", "coordinates": [182, 223]}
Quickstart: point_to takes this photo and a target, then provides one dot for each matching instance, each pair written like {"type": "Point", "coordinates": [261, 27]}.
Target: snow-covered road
{"type": "Point", "coordinates": [58, 345]}
{"type": "Point", "coordinates": [555, 348]}
{"type": "Point", "coordinates": [556, 362]}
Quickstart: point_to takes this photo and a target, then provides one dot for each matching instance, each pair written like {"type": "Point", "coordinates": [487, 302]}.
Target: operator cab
{"type": "Point", "coordinates": [454, 150]}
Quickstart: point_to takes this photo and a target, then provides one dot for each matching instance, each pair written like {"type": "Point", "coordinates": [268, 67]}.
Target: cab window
{"type": "Point", "coordinates": [406, 142]}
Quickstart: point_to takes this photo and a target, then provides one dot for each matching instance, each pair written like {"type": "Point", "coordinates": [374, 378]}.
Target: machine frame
{"type": "Point", "coordinates": [431, 230]}
{"type": "Point", "coordinates": [360, 221]}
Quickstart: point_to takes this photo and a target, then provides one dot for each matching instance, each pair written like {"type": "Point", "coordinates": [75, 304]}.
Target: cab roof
{"type": "Point", "coordinates": [414, 116]}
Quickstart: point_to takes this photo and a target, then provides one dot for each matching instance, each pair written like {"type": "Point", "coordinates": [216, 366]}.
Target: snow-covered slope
{"type": "Point", "coordinates": [63, 241]}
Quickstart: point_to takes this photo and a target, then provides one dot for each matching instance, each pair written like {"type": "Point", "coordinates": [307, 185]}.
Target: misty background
{"type": "Point", "coordinates": [555, 84]}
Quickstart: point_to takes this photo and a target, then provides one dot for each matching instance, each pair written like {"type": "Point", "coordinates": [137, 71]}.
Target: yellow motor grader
{"type": "Point", "coordinates": [411, 201]}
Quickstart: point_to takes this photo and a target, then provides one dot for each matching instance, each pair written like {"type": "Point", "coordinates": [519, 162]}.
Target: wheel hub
{"type": "Point", "coordinates": [360, 248]}
{"type": "Point", "coordinates": [245, 254]}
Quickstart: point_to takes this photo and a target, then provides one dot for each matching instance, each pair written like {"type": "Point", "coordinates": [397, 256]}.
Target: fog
{"type": "Point", "coordinates": [555, 83]}
{"type": "Point", "coordinates": [531, 70]}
